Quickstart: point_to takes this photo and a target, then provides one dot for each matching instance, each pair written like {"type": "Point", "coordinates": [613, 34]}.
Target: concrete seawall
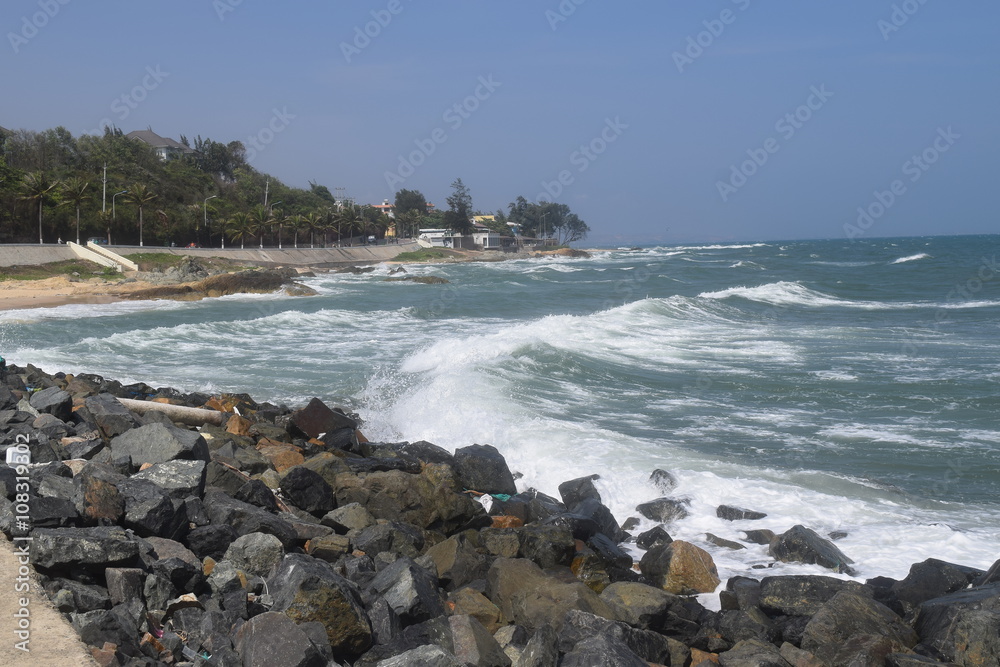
{"type": "Point", "coordinates": [287, 256]}
{"type": "Point", "coordinates": [14, 255]}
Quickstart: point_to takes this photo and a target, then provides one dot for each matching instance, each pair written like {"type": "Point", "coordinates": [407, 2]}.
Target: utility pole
{"type": "Point", "coordinates": [267, 187]}
{"type": "Point", "coordinates": [104, 198]}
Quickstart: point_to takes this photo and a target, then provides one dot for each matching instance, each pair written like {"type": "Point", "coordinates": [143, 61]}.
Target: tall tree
{"type": "Point", "coordinates": [140, 195]}
{"type": "Point", "coordinates": [74, 193]}
{"type": "Point", "coordinates": [39, 188]}
{"type": "Point", "coordinates": [262, 220]}
{"type": "Point", "coordinates": [410, 200]}
{"type": "Point", "coordinates": [240, 226]}
{"type": "Point", "coordinates": [459, 208]}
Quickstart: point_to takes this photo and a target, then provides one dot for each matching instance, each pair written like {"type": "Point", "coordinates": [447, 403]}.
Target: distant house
{"type": "Point", "coordinates": [439, 238]}
{"type": "Point", "coordinates": [166, 148]}
{"type": "Point", "coordinates": [385, 207]}
{"type": "Point", "coordinates": [484, 237]}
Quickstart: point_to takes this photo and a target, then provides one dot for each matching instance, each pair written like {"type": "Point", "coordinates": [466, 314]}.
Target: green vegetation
{"type": "Point", "coordinates": [161, 261]}
{"type": "Point", "coordinates": [70, 267]}
{"type": "Point", "coordinates": [426, 255]}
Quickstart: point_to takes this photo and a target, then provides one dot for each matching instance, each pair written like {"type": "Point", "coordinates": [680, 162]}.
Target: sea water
{"type": "Point", "coordinates": [845, 386]}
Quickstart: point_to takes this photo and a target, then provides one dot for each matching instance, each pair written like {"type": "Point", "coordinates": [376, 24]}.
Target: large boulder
{"type": "Point", "coordinates": [100, 547]}
{"type": "Point", "coordinates": [474, 645]}
{"type": "Point", "coordinates": [640, 605]}
{"type": "Point", "coordinates": [148, 509]}
{"type": "Point", "coordinates": [308, 491]}
{"type": "Point", "coordinates": [156, 443]}
{"type": "Point", "coordinates": [428, 655]}
{"type": "Point", "coordinates": [256, 554]}
{"type": "Point", "coordinates": [932, 579]}
{"type": "Point", "coordinates": [963, 627]}
{"type": "Point", "coordinates": [96, 494]}
{"type": "Point", "coordinates": [53, 401]}
{"type": "Point", "coordinates": [111, 417]}
{"type": "Point", "coordinates": [548, 546]}
{"type": "Point", "coordinates": [731, 513]}
{"type": "Point", "coordinates": [307, 589]}
{"type": "Point", "coordinates": [680, 568]}
{"type": "Point", "coordinates": [578, 626]}
{"type": "Point", "coordinates": [577, 490]}
{"type": "Point", "coordinates": [847, 615]}
{"type": "Point", "coordinates": [316, 419]}
{"type": "Point", "coordinates": [410, 590]}
{"type": "Point", "coordinates": [178, 478]}
{"type": "Point", "coordinates": [246, 519]}
{"type": "Point", "coordinates": [458, 562]}
{"type": "Point", "coordinates": [802, 595]}
{"type": "Point", "coordinates": [482, 468]}
{"type": "Point", "coordinates": [274, 639]}
{"type": "Point", "coordinates": [753, 653]}
{"type": "Point", "coordinates": [542, 650]}
{"type": "Point", "coordinates": [663, 510]}
{"type": "Point", "coordinates": [602, 651]}
{"type": "Point", "coordinates": [803, 545]}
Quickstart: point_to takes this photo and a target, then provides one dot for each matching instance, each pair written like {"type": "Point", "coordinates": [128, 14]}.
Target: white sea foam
{"type": "Point", "coordinates": [910, 258]}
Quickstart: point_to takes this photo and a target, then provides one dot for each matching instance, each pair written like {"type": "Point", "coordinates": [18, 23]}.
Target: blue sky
{"type": "Point", "coordinates": [656, 137]}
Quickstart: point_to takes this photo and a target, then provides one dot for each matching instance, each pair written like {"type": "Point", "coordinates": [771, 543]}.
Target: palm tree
{"type": "Point", "coordinates": [297, 223]}
{"type": "Point", "coordinates": [74, 194]}
{"type": "Point", "coordinates": [140, 195]}
{"type": "Point", "coordinates": [351, 221]}
{"type": "Point", "coordinates": [313, 222]}
{"type": "Point", "coordinates": [262, 219]}
{"type": "Point", "coordinates": [37, 188]}
{"type": "Point", "coordinates": [240, 226]}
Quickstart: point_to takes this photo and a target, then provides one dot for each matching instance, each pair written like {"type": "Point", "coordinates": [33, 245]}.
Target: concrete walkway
{"type": "Point", "coordinates": [53, 642]}
{"type": "Point", "coordinates": [286, 256]}
{"type": "Point", "coordinates": [18, 255]}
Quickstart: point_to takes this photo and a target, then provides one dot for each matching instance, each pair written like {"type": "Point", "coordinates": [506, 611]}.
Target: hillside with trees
{"type": "Point", "coordinates": [52, 186]}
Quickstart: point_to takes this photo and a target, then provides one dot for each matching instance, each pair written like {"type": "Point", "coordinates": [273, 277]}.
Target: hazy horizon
{"type": "Point", "coordinates": [729, 121]}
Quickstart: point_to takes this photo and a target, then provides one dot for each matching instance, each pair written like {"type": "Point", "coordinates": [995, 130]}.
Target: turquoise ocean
{"type": "Point", "coordinates": [846, 386]}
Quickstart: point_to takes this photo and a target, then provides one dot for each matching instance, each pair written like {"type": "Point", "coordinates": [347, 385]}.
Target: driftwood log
{"type": "Point", "coordinates": [177, 413]}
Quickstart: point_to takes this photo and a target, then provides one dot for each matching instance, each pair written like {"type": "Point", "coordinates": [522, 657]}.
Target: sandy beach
{"type": "Point", "coordinates": [60, 291]}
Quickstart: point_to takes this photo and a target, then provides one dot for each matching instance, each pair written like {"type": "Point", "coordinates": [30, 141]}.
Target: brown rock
{"type": "Point", "coordinates": [280, 454]}
{"type": "Point", "coordinates": [681, 568]}
{"type": "Point", "coordinates": [105, 656]}
{"type": "Point", "coordinates": [238, 425]}
{"type": "Point", "coordinates": [471, 602]}
{"type": "Point", "coordinates": [507, 522]}
{"type": "Point", "coordinates": [329, 548]}
{"type": "Point", "coordinates": [703, 657]}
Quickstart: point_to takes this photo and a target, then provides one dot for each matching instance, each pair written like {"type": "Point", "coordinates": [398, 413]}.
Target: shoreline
{"type": "Point", "coordinates": [238, 502]}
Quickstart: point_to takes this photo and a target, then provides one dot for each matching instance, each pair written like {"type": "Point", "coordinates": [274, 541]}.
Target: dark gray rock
{"type": "Point", "coordinates": [761, 536]}
{"type": "Point", "coordinates": [803, 545]}
{"type": "Point", "coordinates": [308, 491]}
{"type": "Point", "coordinates": [148, 509]}
{"type": "Point", "coordinates": [423, 656]}
{"type": "Point", "coordinates": [223, 478]}
{"type": "Point", "coordinates": [548, 546]}
{"type": "Point", "coordinates": [307, 589]}
{"type": "Point", "coordinates": [395, 537]}
{"type": "Point", "coordinates": [124, 583]}
{"type": "Point", "coordinates": [738, 626]}
{"type": "Point", "coordinates": [256, 554]}
{"type": "Point", "coordinates": [411, 591]}
{"type": "Point", "coordinates": [53, 401]}
{"type": "Point", "coordinates": [654, 535]}
{"type": "Point", "coordinates": [100, 547]}
{"type": "Point", "coordinates": [246, 518]}
{"type": "Point", "coordinates": [848, 614]}
{"type": "Point", "coordinates": [156, 443]}
{"type": "Point", "coordinates": [991, 576]}
{"type": "Point", "coordinates": [53, 513]}
{"type": "Point", "coordinates": [102, 626]}
{"type": "Point", "coordinates": [178, 478]}
{"type": "Point", "coordinates": [962, 627]}
{"type": "Point", "coordinates": [664, 481]}
{"type": "Point", "coordinates": [593, 509]}
{"type": "Point", "coordinates": [174, 561]}
{"type": "Point", "coordinates": [274, 639]}
{"type": "Point", "coordinates": [577, 490]}
{"type": "Point", "coordinates": [933, 579]}
{"type": "Point", "coordinates": [578, 626]}
{"type": "Point", "coordinates": [753, 653]}
{"type": "Point", "coordinates": [602, 651]}
{"type": "Point", "coordinates": [663, 510]}
{"type": "Point", "coordinates": [731, 513]}
{"type": "Point", "coordinates": [474, 645]}
{"type": "Point", "coordinates": [742, 593]}
{"type": "Point", "coordinates": [542, 649]}
{"type": "Point", "coordinates": [352, 516]}
{"type": "Point", "coordinates": [111, 417]}
{"type": "Point", "coordinates": [802, 595]}
{"type": "Point", "coordinates": [211, 541]}
{"type": "Point", "coordinates": [457, 562]}
{"type": "Point", "coordinates": [70, 596]}
{"type": "Point", "coordinates": [259, 494]}
{"type": "Point", "coordinates": [722, 542]}
{"type": "Point", "coordinates": [482, 468]}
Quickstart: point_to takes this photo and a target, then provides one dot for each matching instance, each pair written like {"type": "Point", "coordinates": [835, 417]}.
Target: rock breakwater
{"type": "Point", "coordinates": [268, 535]}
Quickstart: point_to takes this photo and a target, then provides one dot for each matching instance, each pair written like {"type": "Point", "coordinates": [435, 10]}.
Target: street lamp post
{"type": "Point", "coordinates": [279, 222]}
{"type": "Point", "coordinates": [113, 214]}
{"type": "Point", "coordinates": [544, 215]}
{"type": "Point", "coordinates": [205, 205]}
